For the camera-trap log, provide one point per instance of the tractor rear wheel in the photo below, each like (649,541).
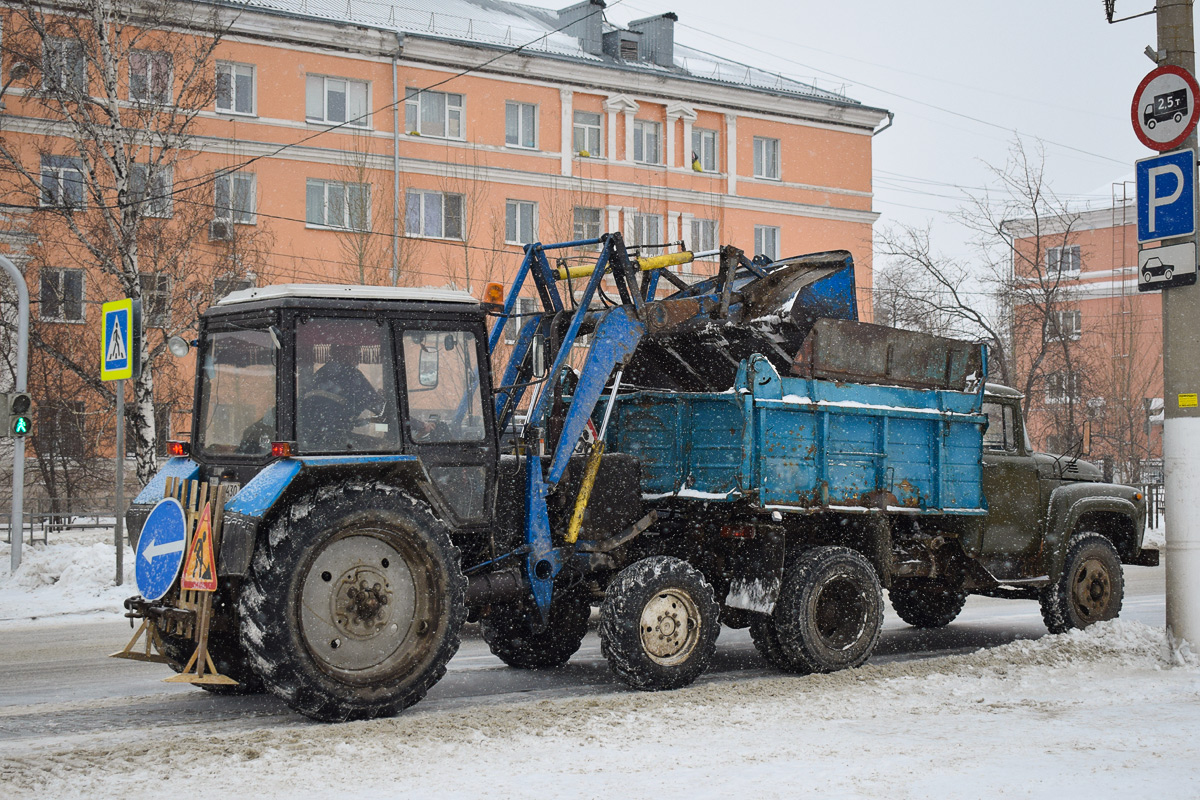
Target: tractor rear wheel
(354,603)
(659,623)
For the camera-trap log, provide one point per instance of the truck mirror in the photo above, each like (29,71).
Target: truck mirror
(427,363)
(539,356)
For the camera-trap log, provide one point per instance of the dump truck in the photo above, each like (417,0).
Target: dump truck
(740,451)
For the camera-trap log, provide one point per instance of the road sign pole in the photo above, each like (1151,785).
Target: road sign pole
(119,528)
(16,522)
(1181,378)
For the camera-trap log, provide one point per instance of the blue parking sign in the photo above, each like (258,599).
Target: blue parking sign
(1166,192)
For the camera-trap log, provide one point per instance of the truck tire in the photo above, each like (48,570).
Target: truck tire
(659,623)
(925,603)
(354,603)
(511,638)
(228,656)
(830,610)
(1090,589)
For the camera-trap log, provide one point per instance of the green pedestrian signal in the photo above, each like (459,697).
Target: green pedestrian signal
(20,426)
(17,406)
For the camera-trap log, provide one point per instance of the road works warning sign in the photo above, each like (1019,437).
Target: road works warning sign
(200,569)
(121,343)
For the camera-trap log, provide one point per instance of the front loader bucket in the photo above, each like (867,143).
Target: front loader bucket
(769,314)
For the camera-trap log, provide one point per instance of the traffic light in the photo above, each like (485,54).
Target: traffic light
(19,405)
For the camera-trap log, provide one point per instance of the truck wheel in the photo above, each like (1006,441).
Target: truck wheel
(1091,587)
(228,656)
(659,623)
(830,610)
(926,604)
(766,642)
(511,638)
(353,604)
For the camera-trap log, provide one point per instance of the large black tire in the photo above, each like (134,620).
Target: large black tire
(830,611)
(766,642)
(926,603)
(228,656)
(659,623)
(1090,589)
(354,603)
(509,632)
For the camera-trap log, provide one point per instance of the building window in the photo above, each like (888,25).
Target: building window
(587,134)
(644,229)
(433,113)
(234,198)
(1062,387)
(520,222)
(704,236)
(334,204)
(64,67)
(704,150)
(587,222)
(520,124)
(154,198)
(1064,325)
(434,214)
(766,158)
(235,88)
(62,182)
(766,241)
(61,429)
(156,299)
(1062,260)
(61,295)
(336,100)
(512,327)
(226,286)
(150,76)
(646,136)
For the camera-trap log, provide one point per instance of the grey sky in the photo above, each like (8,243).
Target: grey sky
(960,76)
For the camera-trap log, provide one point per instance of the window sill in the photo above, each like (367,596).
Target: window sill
(244,114)
(459,240)
(312,226)
(419,135)
(64,321)
(230,221)
(766,178)
(510,146)
(342,123)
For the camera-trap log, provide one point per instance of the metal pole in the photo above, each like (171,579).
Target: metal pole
(119,528)
(16,522)
(1181,375)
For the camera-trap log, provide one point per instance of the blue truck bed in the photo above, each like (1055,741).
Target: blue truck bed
(793,444)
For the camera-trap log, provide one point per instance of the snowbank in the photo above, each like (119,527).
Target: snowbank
(1108,712)
(71,575)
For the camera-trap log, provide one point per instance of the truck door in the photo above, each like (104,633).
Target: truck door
(1010,484)
(446,421)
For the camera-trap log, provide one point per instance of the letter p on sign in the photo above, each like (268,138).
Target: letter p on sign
(1166,191)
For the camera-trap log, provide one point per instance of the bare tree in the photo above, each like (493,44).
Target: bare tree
(366,243)
(112,90)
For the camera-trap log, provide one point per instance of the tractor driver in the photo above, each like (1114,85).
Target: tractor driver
(335,396)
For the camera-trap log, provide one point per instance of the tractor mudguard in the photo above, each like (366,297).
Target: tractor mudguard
(270,491)
(135,516)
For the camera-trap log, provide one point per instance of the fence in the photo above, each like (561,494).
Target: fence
(1155,499)
(46,515)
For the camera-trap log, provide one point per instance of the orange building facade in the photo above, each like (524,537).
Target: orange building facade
(386,145)
(1098,386)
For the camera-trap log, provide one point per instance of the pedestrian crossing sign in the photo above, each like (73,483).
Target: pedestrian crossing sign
(120,346)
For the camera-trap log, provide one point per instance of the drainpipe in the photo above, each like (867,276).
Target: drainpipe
(891,116)
(396,160)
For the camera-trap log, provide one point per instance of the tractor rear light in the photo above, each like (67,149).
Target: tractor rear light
(281,449)
(493,297)
(737,531)
(178,449)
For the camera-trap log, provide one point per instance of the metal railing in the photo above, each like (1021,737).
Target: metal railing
(1155,503)
(45,515)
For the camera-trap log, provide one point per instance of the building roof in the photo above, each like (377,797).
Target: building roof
(500,24)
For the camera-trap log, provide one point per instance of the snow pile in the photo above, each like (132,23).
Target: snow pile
(1084,714)
(1156,537)
(72,574)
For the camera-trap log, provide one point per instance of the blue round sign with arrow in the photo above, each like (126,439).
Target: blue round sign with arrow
(160,549)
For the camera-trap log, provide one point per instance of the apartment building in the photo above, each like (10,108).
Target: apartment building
(1089,341)
(423,143)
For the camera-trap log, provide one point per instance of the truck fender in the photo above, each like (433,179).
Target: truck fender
(274,488)
(1068,505)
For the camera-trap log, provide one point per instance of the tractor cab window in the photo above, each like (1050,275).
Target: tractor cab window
(237,393)
(442,377)
(345,394)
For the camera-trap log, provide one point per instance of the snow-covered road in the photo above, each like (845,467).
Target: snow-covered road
(1102,713)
